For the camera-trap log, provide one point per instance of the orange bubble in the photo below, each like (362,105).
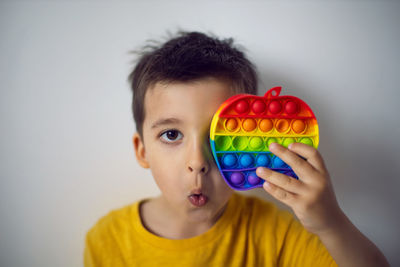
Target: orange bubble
(231,124)
(266,125)
(298,126)
(249,125)
(282,125)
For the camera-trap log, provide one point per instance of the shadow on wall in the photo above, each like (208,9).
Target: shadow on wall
(362,166)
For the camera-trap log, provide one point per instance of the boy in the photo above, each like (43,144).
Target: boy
(198,220)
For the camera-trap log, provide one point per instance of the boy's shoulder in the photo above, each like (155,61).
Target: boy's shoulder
(116,220)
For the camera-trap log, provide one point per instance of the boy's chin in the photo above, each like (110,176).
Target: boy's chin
(207,213)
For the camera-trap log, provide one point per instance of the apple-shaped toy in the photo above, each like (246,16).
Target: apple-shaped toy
(244,126)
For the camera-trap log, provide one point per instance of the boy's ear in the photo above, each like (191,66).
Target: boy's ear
(140,151)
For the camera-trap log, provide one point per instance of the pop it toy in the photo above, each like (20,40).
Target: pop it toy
(244,126)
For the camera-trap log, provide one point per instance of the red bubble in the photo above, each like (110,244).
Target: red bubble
(291,107)
(242,107)
(275,107)
(258,106)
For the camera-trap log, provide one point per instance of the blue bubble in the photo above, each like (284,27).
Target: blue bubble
(246,160)
(229,160)
(263,160)
(278,163)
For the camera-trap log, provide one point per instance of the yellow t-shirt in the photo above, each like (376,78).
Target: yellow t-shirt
(251,232)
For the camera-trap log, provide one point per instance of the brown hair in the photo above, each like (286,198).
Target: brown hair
(189,56)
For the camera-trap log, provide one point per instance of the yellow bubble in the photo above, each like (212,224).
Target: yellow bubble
(287,141)
(256,142)
(307,141)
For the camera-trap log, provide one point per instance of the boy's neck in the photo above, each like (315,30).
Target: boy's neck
(161,220)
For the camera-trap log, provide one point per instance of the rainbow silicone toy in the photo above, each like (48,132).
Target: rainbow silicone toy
(245,125)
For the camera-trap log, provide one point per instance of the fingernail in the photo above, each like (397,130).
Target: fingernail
(290,146)
(260,171)
(273,146)
(266,184)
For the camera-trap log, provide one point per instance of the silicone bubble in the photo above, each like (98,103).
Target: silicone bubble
(298,126)
(244,127)
(237,178)
(287,141)
(249,125)
(231,124)
(291,107)
(263,160)
(266,125)
(223,142)
(229,160)
(253,179)
(242,107)
(271,140)
(278,163)
(307,141)
(240,142)
(256,143)
(246,160)
(282,125)
(258,106)
(275,107)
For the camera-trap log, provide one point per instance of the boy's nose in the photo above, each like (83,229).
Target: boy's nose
(197,160)
(201,169)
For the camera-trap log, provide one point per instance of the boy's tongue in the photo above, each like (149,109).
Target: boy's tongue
(198,200)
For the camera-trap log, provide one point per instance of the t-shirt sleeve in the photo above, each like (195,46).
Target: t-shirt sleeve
(102,246)
(302,248)
(89,257)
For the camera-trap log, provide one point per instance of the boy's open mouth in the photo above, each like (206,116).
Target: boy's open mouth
(198,200)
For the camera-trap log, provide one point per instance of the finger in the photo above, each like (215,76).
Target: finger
(310,154)
(280,194)
(300,166)
(285,182)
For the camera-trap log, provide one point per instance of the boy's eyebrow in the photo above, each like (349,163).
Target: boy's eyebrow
(165,121)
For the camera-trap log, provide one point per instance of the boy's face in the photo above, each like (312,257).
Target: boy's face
(176,148)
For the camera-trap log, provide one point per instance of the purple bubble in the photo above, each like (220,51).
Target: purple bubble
(253,179)
(237,178)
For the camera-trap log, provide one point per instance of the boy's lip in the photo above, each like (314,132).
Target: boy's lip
(197,198)
(196,191)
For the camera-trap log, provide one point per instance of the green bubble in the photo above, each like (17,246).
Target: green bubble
(222,142)
(271,140)
(288,141)
(307,141)
(240,142)
(256,142)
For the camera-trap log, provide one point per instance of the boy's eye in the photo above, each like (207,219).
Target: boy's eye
(171,136)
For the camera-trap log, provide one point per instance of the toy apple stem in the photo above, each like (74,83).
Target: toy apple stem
(273,92)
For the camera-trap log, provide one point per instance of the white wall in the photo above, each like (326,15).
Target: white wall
(66,125)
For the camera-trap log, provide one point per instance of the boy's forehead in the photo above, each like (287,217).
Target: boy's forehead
(185,100)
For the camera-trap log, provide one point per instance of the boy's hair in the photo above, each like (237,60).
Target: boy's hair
(189,56)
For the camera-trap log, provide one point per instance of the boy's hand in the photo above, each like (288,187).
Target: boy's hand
(311,197)
(314,203)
